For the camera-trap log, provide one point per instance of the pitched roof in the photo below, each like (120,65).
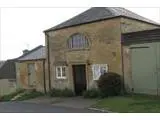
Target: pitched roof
(34,54)
(8,70)
(139,36)
(2,63)
(100,13)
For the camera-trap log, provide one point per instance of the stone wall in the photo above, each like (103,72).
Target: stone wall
(105,48)
(104,38)
(130,25)
(7,86)
(22,75)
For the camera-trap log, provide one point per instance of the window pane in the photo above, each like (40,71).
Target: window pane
(58,71)
(63,71)
(78,41)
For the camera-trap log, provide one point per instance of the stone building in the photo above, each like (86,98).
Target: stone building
(80,49)
(30,69)
(7,77)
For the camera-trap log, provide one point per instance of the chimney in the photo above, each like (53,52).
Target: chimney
(25,51)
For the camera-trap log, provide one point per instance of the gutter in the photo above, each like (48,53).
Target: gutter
(122,58)
(44,77)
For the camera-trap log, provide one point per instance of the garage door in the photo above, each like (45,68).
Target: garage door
(144,68)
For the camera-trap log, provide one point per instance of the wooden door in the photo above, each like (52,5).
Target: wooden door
(79,76)
(31,75)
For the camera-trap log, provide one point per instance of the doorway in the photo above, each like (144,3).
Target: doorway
(31,74)
(79,78)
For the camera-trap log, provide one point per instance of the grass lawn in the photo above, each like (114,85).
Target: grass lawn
(29,95)
(130,104)
(26,95)
(11,95)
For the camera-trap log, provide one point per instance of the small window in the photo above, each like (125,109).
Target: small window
(78,41)
(61,72)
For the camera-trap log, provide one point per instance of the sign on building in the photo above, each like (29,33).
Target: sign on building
(98,70)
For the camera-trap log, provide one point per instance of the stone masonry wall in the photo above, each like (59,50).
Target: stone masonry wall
(105,48)
(22,75)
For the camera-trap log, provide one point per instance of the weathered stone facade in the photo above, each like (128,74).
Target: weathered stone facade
(22,75)
(127,26)
(104,48)
(131,25)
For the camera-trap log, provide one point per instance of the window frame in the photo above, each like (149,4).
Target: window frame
(81,43)
(61,72)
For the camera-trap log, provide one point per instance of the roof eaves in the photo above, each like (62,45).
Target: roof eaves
(52,29)
(32,60)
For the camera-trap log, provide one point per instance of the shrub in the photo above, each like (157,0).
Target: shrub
(0,98)
(54,92)
(109,84)
(92,93)
(61,93)
(67,93)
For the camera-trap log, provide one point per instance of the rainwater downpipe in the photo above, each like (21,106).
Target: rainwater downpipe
(122,58)
(44,76)
(48,55)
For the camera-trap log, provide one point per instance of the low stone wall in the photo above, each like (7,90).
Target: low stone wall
(7,86)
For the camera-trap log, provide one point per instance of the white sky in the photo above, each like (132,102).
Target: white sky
(23,28)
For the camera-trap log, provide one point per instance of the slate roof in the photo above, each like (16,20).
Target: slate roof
(8,70)
(2,63)
(34,54)
(100,13)
(145,35)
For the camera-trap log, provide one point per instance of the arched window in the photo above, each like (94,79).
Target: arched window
(78,41)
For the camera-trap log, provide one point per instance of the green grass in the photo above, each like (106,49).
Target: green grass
(11,95)
(131,104)
(29,95)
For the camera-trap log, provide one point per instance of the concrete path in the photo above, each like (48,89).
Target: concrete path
(76,102)
(71,102)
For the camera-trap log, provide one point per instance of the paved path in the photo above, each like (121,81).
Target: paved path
(71,102)
(24,107)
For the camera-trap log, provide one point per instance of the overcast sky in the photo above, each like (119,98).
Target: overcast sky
(22,28)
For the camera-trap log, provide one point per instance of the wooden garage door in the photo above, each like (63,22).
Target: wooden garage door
(144,75)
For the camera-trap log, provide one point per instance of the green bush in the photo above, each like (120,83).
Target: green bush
(92,93)
(109,84)
(55,92)
(67,93)
(61,93)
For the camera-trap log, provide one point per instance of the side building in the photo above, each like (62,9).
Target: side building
(30,69)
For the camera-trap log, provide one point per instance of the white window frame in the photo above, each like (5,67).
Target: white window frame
(61,74)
